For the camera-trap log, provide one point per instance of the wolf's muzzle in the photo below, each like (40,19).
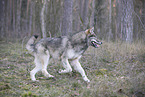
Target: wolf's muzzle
(96,43)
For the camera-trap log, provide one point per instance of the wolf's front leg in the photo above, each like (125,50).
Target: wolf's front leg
(77,66)
(66,65)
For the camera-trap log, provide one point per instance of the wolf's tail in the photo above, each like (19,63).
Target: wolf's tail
(30,44)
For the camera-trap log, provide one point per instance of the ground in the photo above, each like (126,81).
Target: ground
(116,69)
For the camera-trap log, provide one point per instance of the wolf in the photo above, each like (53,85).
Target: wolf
(68,49)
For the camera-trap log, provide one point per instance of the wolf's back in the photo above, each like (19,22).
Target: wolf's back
(30,43)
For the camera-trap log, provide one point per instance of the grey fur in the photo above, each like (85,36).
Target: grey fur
(64,48)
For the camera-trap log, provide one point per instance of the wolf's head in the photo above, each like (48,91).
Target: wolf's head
(92,38)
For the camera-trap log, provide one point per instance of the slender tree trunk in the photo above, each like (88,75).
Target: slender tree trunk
(67,17)
(2,18)
(110,21)
(33,18)
(43,26)
(18,26)
(10,17)
(7,18)
(92,14)
(30,17)
(143,12)
(143,18)
(27,17)
(85,14)
(14,21)
(76,15)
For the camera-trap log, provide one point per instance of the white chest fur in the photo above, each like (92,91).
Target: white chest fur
(71,54)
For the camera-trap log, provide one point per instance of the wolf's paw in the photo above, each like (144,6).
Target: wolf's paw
(61,71)
(64,71)
(35,80)
(49,76)
(86,79)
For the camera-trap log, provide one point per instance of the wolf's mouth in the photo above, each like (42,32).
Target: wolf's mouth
(96,44)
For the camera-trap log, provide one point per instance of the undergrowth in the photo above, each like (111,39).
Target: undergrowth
(115,69)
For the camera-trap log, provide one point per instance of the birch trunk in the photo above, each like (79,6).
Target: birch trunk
(43,19)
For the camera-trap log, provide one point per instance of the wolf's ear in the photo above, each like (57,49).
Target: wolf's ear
(90,31)
(87,31)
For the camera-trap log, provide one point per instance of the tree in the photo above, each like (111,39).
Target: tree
(84,14)
(67,17)
(92,13)
(110,21)
(125,13)
(18,23)
(143,12)
(2,18)
(43,26)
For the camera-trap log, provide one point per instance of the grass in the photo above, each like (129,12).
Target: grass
(115,69)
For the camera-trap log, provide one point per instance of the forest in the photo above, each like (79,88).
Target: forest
(113,19)
(116,68)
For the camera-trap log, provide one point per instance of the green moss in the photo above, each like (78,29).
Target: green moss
(28,94)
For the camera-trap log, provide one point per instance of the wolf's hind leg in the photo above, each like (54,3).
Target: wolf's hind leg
(77,66)
(36,69)
(45,61)
(66,65)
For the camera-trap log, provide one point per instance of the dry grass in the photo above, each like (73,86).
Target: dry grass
(115,70)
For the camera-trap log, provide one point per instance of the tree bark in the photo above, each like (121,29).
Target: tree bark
(43,26)
(3,5)
(18,26)
(110,21)
(30,17)
(143,19)
(85,14)
(67,17)
(14,20)
(126,19)
(92,14)
(143,12)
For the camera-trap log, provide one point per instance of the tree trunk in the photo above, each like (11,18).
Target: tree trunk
(126,22)
(143,19)
(67,17)
(33,18)
(143,12)
(30,17)
(14,21)
(92,13)
(43,26)
(2,6)
(110,21)
(18,26)
(85,14)
(7,19)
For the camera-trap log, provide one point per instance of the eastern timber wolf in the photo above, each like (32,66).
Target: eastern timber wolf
(68,49)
